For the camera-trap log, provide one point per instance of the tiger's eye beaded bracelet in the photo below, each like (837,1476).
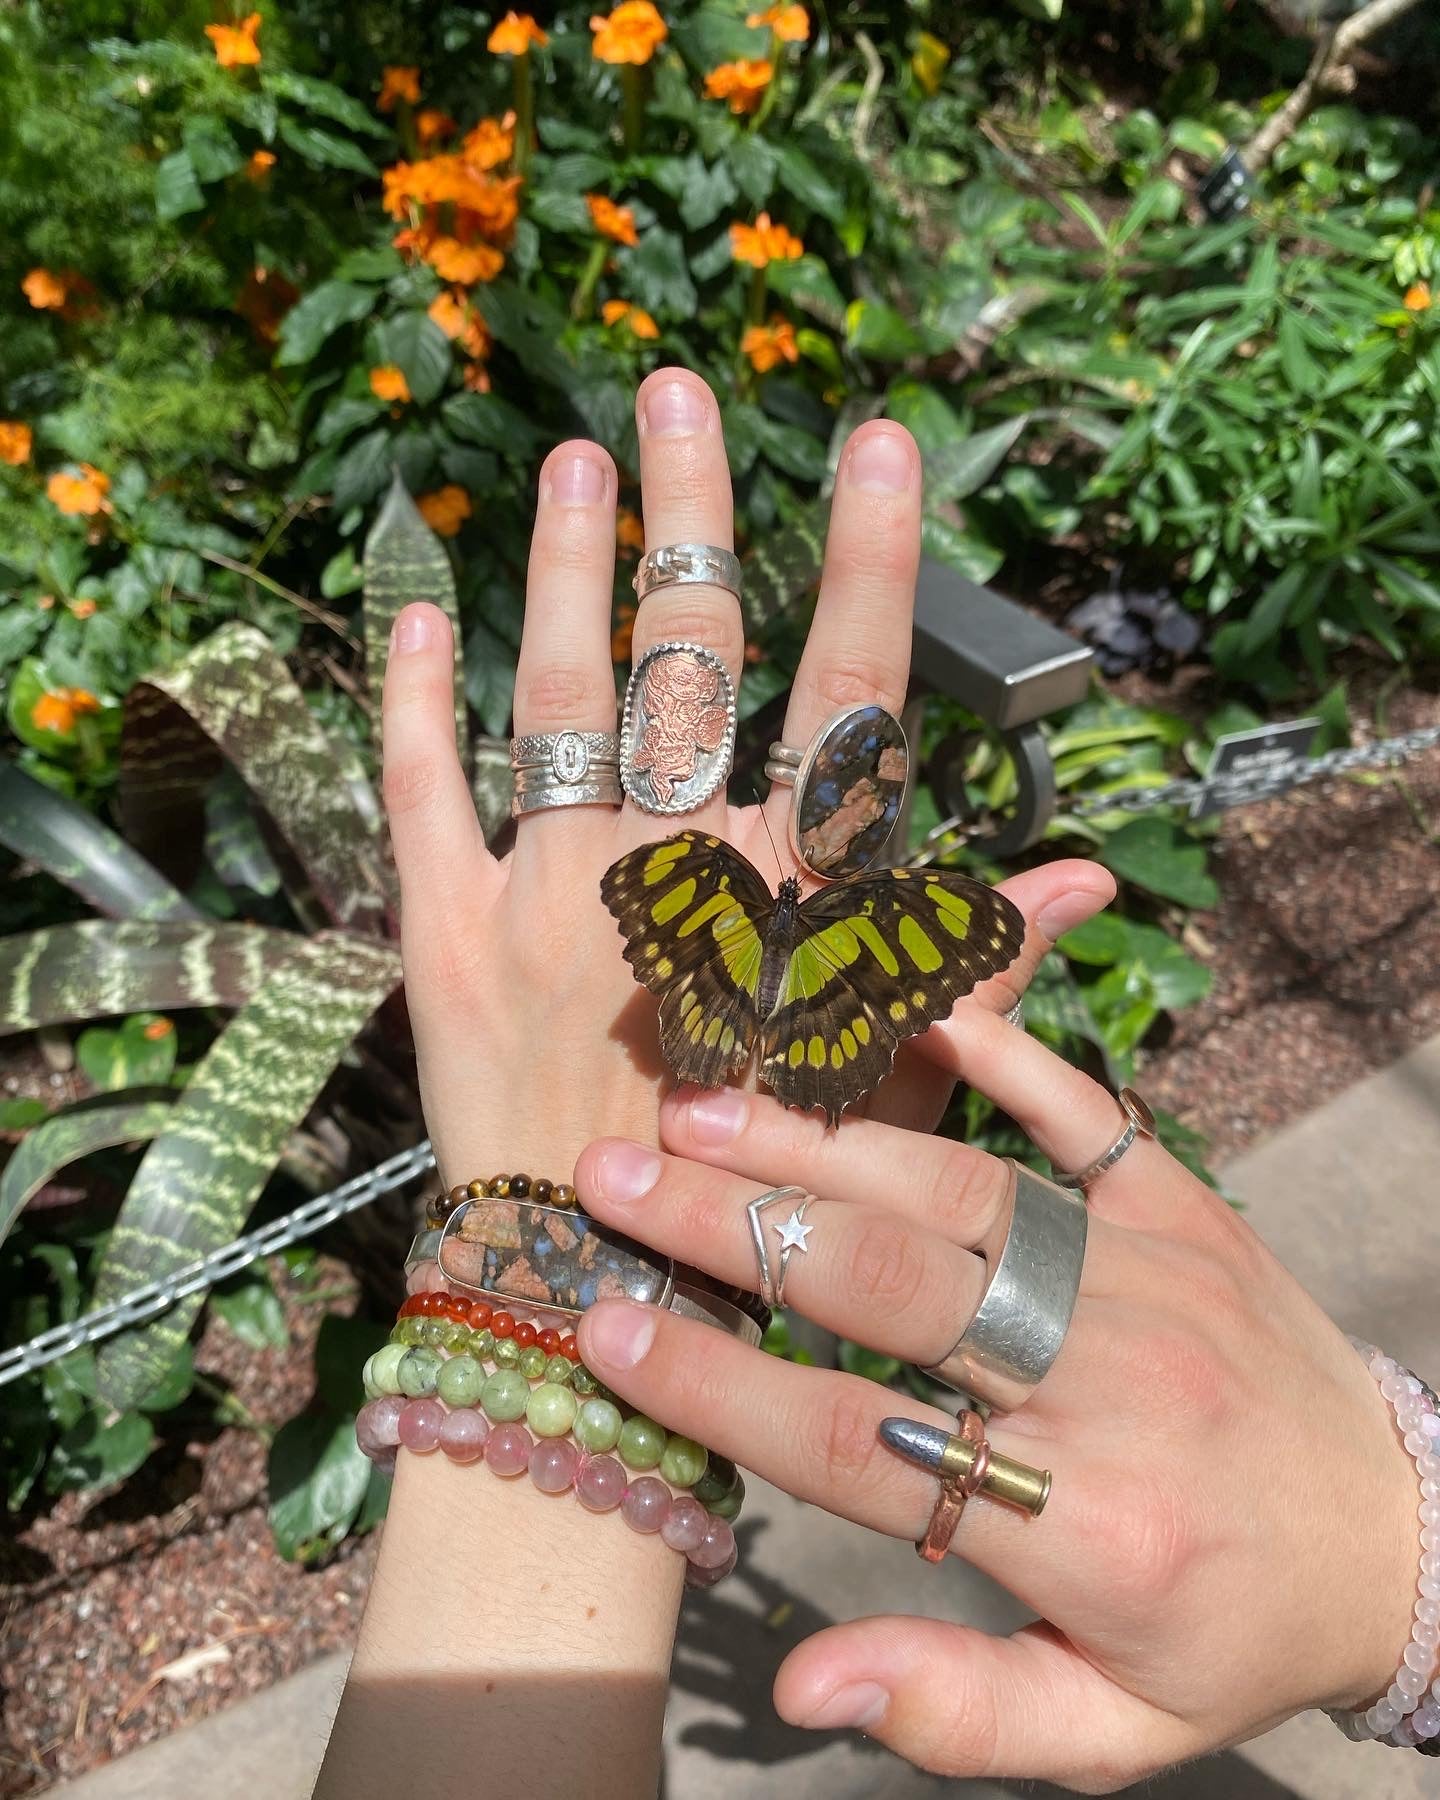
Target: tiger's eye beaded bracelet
(501,1187)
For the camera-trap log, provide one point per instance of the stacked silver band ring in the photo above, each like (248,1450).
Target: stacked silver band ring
(672,565)
(565,768)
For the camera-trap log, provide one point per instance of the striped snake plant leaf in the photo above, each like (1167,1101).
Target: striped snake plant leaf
(405,561)
(232,699)
(199,1180)
(102,967)
(782,570)
(50,829)
(56,1142)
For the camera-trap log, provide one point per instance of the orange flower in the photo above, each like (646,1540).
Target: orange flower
(157,1029)
(490,143)
(260,164)
(639,321)
(763,243)
(460,323)
(624,632)
(84,608)
(389,383)
(235,45)
(57,711)
(1417,297)
(629,530)
(44,289)
(463,263)
(612,221)
(15,442)
(476,378)
(769,345)
(446,510)
(514,35)
(432,124)
(791,24)
(397,84)
(80,495)
(743,84)
(631,34)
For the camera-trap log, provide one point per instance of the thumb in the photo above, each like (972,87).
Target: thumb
(961,1703)
(1055,898)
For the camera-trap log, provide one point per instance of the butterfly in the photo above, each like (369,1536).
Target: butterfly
(829,987)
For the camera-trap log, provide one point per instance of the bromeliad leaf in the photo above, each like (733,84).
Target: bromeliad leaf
(67,1137)
(99,968)
(199,1180)
(405,561)
(232,696)
(72,845)
(780,572)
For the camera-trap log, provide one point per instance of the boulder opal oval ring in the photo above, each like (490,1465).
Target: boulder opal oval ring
(849,784)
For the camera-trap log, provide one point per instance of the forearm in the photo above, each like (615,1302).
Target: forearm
(508,1634)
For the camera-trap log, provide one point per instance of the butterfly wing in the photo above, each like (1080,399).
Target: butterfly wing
(694,914)
(877,960)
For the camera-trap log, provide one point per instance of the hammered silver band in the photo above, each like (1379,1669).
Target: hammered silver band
(1139,1122)
(673,565)
(1034,1257)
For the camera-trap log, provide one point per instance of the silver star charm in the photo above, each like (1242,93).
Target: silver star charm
(793,1233)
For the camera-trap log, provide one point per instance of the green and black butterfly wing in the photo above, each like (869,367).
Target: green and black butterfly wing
(875,961)
(695,915)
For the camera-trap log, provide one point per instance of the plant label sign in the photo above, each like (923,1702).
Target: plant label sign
(1253,765)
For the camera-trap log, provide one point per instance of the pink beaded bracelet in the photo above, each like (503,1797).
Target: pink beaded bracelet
(1407,1715)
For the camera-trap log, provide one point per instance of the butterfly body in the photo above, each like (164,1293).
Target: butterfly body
(823,989)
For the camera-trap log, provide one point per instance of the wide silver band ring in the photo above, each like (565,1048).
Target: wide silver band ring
(1139,1122)
(601,788)
(1034,1258)
(673,565)
(568,754)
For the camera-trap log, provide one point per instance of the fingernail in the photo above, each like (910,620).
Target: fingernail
(675,409)
(576,481)
(617,1333)
(716,1115)
(411,630)
(624,1171)
(862,1704)
(882,462)
(1066,913)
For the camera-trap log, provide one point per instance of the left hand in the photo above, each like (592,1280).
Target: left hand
(1231,1534)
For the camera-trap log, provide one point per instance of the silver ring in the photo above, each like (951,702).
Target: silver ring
(672,565)
(793,1233)
(1139,1122)
(1016,1015)
(677,736)
(544,795)
(1034,1257)
(849,784)
(568,753)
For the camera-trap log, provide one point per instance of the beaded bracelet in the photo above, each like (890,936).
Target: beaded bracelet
(1407,1716)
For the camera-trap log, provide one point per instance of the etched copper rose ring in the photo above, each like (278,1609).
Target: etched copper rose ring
(677,737)
(849,784)
(564,768)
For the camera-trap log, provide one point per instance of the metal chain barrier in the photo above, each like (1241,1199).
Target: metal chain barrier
(157,1296)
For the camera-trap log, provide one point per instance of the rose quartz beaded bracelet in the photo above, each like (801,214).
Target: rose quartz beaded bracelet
(1407,1715)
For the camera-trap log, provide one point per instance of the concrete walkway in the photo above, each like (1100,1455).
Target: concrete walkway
(1347,1199)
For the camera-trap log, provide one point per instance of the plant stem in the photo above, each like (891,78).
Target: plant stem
(632,87)
(524,112)
(230,1409)
(582,302)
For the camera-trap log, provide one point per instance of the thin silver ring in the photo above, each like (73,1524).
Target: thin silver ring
(673,565)
(1016,1015)
(1139,1122)
(1034,1258)
(568,753)
(793,1234)
(548,796)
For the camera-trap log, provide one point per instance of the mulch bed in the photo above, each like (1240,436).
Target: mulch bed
(127,1614)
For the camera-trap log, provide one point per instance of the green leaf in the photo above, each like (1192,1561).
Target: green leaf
(66,1137)
(405,561)
(784,568)
(657,274)
(324,150)
(318,314)
(213,153)
(1157,855)
(363,470)
(341,575)
(318,1478)
(957,469)
(876,330)
(559,210)
(414,342)
(342,1349)
(235,846)
(254,1313)
(1112,942)
(92,1454)
(198,1181)
(322,97)
(873,1365)
(808,284)
(1270,611)
(793,449)
(100,967)
(177,190)
(961,550)
(493,423)
(42,825)
(173,1386)
(802,177)
(140,1053)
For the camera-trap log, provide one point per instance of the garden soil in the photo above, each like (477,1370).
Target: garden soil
(125,1615)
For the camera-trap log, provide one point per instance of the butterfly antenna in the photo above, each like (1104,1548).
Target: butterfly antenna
(760,805)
